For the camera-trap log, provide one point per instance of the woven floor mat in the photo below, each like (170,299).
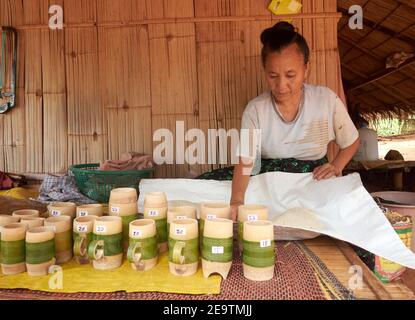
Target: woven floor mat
(299,275)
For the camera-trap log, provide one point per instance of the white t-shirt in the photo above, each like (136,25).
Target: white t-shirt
(322,118)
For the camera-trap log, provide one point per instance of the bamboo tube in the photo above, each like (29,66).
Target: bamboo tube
(143,251)
(6,219)
(90,210)
(258,239)
(183,247)
(32,222)
(40,250)
(82,236)
(155,207)
(250,212)
(57,209)
(13,248)
(123,195)
(217,247)
(25,213)
(63,237)
(106,250)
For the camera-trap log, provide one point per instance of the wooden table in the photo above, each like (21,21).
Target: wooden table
(339,257)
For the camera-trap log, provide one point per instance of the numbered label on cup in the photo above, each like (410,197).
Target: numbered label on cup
(181,217)
(179,231)
(100,229)
(217,250)
(55,213)
(265,243)
(153,213)
(83,213)
(210,216)
(137,233)
(252,217)
(81,229)
(115,210)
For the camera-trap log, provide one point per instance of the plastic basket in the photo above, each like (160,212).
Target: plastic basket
(97,184)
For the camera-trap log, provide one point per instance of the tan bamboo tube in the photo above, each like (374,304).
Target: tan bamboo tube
(260,233)
(25,213)
(249,212)
(143,251)
(13,248)
(40,250)
(155,207)
(123,195)
(63,237)
(7,219)
(32,222)
(106,250)
(183,247)
(217,247)
(95,209)
(56,209)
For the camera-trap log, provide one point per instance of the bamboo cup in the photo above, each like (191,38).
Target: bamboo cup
(143,251)
(217,247)
(13,255)
(82,236)
(40,250)
(155,207)
(213,210)
(183,247)
(95,209)
(57,209)
(123,195)
(106,248)
(7,219)
(25,213)
(32,222)
(180,212)
(249,212)
(62,226)
(259,250)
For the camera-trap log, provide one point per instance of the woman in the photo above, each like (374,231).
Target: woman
(297,120)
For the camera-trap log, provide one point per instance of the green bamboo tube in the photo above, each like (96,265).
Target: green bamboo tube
(62,226)
(13,248)
(106,249)
(82,236)
(183,247)
(143,251)
(259,250)
(217,247)
(40,250)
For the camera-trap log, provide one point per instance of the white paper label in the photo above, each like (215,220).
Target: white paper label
(153,213)
(115,209)
(180,231)
(81,228)
(83,213)
(101,229)
(265,243)
(252,217)
(217,250)
(210,216)
(137,233)
(181,217)
(55,213)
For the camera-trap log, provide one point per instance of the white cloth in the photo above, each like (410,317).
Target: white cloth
(343,207)
(321,119)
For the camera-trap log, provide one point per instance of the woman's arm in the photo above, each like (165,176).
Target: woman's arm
(241,175)
(336,167)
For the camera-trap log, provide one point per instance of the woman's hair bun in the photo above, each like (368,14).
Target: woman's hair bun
(284,26)
(276,30)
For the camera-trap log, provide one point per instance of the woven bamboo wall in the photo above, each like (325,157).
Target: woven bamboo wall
(121,69)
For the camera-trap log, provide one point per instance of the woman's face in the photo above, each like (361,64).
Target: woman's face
(285,73)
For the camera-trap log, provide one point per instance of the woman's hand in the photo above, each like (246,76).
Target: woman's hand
(326,171)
